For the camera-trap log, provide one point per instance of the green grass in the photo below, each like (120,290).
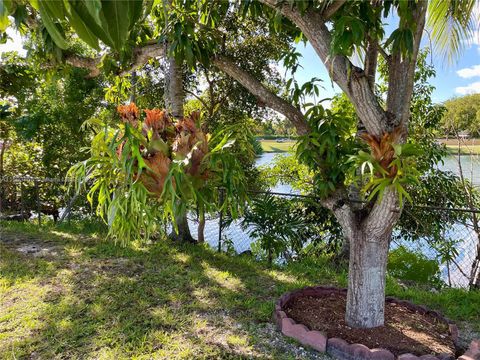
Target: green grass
(164,300)
(464,150)
(274,146)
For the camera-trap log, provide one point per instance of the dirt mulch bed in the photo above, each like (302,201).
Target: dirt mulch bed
(405,331)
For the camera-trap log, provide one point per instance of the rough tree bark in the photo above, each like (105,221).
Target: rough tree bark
(368,229)
(369,236)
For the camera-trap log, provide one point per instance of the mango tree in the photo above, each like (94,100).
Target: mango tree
(337,30)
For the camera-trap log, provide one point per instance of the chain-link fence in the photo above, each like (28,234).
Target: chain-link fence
(28,198)
(449,237)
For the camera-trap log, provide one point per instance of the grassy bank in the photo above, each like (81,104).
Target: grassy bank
(274,146)
(78,296)
(464,149)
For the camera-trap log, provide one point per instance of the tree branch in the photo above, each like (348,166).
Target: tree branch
(196,97)
(140,56)
(272,100)
(371,61)
(331,9)
(85,63)
(384,54)
(384,213)
(402,71)
(350,79)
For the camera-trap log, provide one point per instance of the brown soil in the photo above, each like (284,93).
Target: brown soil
(405,331)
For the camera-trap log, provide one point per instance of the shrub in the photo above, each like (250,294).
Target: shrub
(289,228)
(409,265)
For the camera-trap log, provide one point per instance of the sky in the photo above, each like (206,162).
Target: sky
(13,44)
(459,78)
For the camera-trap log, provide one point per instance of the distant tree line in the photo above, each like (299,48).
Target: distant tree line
(462,116)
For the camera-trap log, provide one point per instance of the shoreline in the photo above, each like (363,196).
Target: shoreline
(272,146)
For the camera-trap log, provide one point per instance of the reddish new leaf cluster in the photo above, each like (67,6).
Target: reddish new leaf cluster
(128,113)
(382,149)
(167,139)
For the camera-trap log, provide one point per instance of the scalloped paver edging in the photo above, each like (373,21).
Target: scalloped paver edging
(339,348)
(473,352)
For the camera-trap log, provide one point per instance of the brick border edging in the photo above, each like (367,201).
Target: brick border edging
(339,347)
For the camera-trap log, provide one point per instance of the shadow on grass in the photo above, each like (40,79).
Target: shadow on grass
(165,300)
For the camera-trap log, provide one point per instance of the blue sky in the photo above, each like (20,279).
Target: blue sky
(459,78)
(456,79)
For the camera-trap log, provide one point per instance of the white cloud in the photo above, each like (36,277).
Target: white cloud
(475,39)
(470,72)
(473,88)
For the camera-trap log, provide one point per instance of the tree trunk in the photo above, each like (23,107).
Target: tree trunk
(175,89)
(2,152)
(201,226)
(176,97)
(368,231)
(183,234)
(366,279)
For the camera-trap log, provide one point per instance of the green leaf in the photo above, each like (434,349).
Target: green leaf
(5,9)
(51,27)
(135,10)
(117,21)
(397,148)
(97,28)
(82,30)
(159,145)
(94,7)
(56,8)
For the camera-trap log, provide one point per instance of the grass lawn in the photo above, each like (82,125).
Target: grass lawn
(274,146)
(83,298)
(465,149)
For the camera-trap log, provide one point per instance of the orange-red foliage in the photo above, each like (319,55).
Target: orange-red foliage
(382,149)
(157,121)
(184,139)
(128,113)
(154,177)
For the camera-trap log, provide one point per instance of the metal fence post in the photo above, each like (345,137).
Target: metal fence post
(37,191)
(220,219)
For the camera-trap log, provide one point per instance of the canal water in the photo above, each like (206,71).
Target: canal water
(240,240)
